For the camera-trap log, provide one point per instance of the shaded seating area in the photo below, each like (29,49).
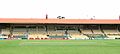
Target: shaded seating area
(97,31)
(96,36)
(57,37)
(21,37)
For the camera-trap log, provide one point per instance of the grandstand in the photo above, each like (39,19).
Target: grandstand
(63,29)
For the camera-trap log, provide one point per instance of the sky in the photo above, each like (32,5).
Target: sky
(70,9)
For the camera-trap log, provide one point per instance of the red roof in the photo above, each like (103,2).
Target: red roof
(60,21)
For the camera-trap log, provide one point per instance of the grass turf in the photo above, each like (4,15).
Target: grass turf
(59,46)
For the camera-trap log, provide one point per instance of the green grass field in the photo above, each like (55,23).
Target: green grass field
(59,46)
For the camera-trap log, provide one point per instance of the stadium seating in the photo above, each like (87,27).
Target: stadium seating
(21,37)
(19,31)
(113,37)
(96,36)
(41,28)
(79,36)
(50,28)
(76,35)
(97,32)
(99,36)
(38,32)
(111,32)
(58,36)
(5,31)
(86,31)
(33,33)
(59,33)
